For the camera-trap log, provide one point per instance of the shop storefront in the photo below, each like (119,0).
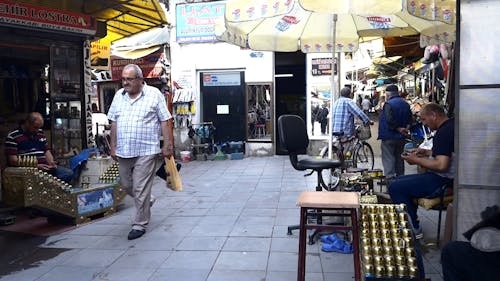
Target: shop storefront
(42,70)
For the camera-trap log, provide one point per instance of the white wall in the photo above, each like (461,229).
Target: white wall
(189,59)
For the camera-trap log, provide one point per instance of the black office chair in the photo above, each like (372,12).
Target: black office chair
(293,138)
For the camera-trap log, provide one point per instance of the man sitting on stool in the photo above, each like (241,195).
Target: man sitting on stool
(440,167)
(29,140)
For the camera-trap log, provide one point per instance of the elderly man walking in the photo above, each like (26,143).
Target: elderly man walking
(138,114)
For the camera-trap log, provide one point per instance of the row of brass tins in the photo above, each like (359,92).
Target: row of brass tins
(387,244)
(27,161)
(111,174)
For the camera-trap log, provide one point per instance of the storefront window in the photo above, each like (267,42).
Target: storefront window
(259,101)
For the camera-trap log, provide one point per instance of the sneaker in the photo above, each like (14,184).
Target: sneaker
(418,232)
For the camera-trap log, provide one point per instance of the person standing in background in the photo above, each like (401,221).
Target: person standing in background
(323,117)
(366,105)
(138,114)
(392,131)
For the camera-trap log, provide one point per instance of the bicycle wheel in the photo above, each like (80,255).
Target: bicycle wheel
(363,156)
(331,177)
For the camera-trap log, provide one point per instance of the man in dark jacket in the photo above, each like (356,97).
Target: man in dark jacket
(392,130)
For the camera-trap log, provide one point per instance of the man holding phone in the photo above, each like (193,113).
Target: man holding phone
(439,162)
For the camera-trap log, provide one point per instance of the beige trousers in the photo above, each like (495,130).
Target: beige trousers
(136,178)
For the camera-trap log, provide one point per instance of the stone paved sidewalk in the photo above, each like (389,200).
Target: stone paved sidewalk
(228,224)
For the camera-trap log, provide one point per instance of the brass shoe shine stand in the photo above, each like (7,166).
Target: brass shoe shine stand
(28,186)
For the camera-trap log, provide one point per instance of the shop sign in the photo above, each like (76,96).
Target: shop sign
(152,65)
(15,13)
(322,66)
(100,53)
(221,79)
(196,22)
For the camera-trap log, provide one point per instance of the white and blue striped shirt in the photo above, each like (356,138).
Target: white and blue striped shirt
(138,121)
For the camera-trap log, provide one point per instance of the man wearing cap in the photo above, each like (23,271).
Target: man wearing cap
(392,131)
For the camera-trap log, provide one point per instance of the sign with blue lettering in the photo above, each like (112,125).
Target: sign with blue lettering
(196,22)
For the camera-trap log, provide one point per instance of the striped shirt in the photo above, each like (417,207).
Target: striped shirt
(344,111)
(22,143)
(138,121)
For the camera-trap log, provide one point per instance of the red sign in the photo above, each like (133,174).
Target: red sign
(151,65)
(15,13)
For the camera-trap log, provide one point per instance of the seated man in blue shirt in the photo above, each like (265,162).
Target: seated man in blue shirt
(344,111)
(29,140)
(439,163)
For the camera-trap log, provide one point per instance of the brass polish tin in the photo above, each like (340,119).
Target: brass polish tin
(365,232)
(382,217)
(379,271)
(381,209)
(390,271)
(401,217)
(389,261)
(365,241)
(412,271)
(398,242)
(377,250)
(400,260)
(402,271)
(374,224)
(399,251)
(387,242)
(385,233)
(388,250)
(385,224)
(373,217)
(396,233)
(367,259)
(375,233)
(369,270)
(367,250)
(406,233)
(392,216)
(365,225)
(410,252)
(404,224)
(376,242)
(408,242)
(394,223)
(411,261)
(378,260)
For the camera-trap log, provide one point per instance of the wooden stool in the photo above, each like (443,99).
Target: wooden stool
(317,202)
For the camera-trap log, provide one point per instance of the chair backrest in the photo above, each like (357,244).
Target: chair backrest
(293,134)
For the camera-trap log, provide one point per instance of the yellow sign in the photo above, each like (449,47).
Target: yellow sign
(100,53)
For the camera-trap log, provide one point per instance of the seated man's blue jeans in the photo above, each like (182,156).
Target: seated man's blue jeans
(406,188)
(62,173)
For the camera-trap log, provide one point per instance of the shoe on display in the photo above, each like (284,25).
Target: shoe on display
(135,233)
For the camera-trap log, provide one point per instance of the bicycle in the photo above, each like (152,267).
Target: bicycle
(353,152)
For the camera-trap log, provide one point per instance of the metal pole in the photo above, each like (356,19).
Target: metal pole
(333,88)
